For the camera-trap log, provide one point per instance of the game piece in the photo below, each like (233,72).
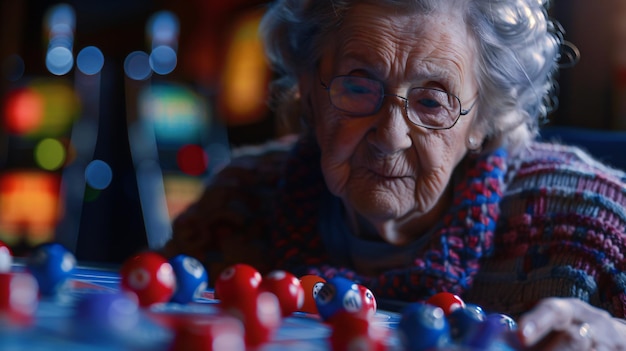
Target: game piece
(105,316)
(485,334)
(191,278)
(462,320)
(369,301)
(338,294)
(447,301)
(213,333)
(6,257)
(422,327)
(150,276)
(19,298)
(237,285)
(287,289)
(311,284)
(507,321)
(51,264)
(261,320)
(355,332)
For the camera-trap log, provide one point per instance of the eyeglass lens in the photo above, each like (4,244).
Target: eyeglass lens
(360,96)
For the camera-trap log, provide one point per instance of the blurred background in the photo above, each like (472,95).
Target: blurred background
(114,113)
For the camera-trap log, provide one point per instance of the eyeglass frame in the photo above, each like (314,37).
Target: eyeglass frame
(462,112)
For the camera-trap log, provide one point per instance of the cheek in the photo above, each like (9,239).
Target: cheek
(439,152)
(339,140)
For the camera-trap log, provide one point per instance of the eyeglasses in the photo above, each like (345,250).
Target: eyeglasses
(430,108)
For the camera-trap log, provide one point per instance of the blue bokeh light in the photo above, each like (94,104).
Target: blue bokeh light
(137,65)
(163,59)
(163,29)
(98,174)
(59,60)
(90,60)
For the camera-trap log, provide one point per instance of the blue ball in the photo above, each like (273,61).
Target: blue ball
(105,315)
(507,322)
(338,294)
(486,334)
(191,278)
(463,320)
(52,265)
(423,327)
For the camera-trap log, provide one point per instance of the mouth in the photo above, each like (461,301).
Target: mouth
(388,176)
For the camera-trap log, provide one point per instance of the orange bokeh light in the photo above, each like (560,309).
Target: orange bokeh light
(29,206)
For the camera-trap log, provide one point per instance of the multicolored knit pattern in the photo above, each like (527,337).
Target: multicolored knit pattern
(562,232)
(448,263)
(550,222)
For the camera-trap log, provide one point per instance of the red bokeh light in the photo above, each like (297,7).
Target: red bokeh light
(24,111)
(192,159)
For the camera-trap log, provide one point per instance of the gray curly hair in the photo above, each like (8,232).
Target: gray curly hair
(519,48)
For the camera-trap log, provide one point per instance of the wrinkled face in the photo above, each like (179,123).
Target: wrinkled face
(385,168)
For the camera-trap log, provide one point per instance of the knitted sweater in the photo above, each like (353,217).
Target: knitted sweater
(548,222)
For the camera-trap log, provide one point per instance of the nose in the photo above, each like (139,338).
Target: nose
(391,132)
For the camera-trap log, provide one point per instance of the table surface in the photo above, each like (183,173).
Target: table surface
(54,327)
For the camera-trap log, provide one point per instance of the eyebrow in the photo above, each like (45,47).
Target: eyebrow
(425,73)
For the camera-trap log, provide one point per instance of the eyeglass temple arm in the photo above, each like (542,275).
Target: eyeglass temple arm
(466,111)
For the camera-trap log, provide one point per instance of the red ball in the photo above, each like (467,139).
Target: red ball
(287,289)
(369,302)
(311,284)
(355,332)
(261,320)
(448,302)
(150,276)
(237,285)
(6,257)
(19,298)
(219,332)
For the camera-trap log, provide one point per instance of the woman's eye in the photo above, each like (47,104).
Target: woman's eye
(430,103)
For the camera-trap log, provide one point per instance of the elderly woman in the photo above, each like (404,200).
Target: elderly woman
(417,170)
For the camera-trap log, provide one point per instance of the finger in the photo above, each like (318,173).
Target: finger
(572,338)
(549,315)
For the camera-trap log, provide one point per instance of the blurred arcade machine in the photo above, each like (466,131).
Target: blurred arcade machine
(185,103)
(178,132)
(48,135)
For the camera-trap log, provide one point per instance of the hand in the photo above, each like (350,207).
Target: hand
(569,324)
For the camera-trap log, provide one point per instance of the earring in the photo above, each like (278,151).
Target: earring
(473,145)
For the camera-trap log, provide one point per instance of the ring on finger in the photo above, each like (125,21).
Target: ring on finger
(585,331)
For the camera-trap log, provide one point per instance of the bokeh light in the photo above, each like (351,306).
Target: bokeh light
(59,60)
(60,24)
(90,60)
(29,205)
(50,154)
(163,59)
(137,65)
(192,159)
(243,91)
(60,20)
(163,29)
(176,113)
(98,174)
(23,111)
(43,108)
